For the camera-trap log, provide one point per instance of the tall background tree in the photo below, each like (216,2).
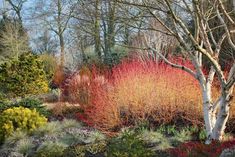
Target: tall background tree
(55,16)
(13,35)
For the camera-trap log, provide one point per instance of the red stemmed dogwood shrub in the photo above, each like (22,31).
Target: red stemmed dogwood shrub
(156,92)
(101,112)
(75,87)
(137,91)
(58,76)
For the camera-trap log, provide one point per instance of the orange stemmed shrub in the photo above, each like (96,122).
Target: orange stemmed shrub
(156,92)
(75,89)
(135,91)
(102,112)
(58,76)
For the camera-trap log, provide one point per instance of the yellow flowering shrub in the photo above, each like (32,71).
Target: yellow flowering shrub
(19,119)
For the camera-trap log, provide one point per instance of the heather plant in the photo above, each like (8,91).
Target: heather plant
(57,128)
(23,77)
(14,138)
(50,149)
(196,149)
(128,144)
(182,134)
(156,140)
(168,130)
(51,128)
(181,137)
(19,119)
(69,123)
(69,132)
(229,152)
(58,138)
(93,149)
(12,144)
(95,136)
(202,135)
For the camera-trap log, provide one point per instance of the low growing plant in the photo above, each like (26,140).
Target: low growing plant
(51,149)
(63,111)
(94,149)
(181,136)
(19,119)
(32,103)
(14,138)
(156,140)
(128,144)
(25,146)
(198,149)
(60,138)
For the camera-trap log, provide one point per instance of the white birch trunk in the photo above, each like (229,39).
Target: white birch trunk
(207,112)
(222,118)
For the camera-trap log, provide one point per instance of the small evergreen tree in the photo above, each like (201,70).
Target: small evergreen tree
(23,77)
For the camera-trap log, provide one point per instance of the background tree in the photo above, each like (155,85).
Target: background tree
(12,42)
(56,15)
(17,7)
(45,43)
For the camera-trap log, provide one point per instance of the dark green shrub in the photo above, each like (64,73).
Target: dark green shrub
(129,144)
(115,57)
(30,103)
(22,77)
(3,97)
(3,106)
(33,104)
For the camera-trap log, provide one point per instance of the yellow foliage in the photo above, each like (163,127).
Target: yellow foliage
(19,119)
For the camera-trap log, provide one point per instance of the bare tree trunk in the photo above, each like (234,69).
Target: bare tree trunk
(111,24)
(60,33)
(207,111)
(62,53)
(222,116)
(97,29)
